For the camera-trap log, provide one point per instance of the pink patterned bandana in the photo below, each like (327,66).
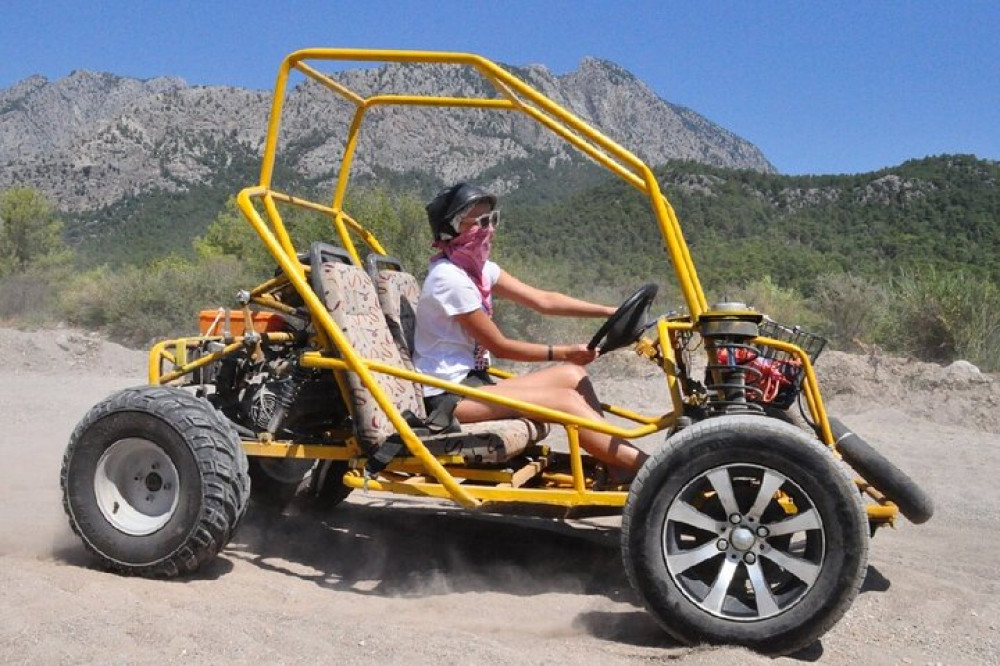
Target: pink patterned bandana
(469,251)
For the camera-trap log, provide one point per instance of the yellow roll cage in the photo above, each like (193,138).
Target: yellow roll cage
(448,477)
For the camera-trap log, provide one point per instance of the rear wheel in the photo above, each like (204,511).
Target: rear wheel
(742,530)
(276,481)
(326,486)
(154,481)
(315,483)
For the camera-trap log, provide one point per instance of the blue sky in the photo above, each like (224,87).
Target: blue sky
(819,87)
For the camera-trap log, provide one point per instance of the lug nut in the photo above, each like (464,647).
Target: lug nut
(749,558)
(735,519)
(722,544)
(762,532)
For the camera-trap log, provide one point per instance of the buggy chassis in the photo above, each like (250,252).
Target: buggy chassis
(720,417)
(516,96)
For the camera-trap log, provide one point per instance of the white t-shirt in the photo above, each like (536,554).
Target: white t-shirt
(440,345)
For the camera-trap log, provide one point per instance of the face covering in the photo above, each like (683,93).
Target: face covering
(469,251)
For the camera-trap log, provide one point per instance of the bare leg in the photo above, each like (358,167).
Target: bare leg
(566,388)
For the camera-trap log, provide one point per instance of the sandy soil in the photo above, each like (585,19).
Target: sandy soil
(427,583)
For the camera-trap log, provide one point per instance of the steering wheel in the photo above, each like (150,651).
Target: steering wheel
(627,323)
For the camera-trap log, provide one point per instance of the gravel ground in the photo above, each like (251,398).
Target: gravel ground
(426,583)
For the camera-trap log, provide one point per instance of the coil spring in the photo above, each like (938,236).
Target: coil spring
(734,391)
(287,395)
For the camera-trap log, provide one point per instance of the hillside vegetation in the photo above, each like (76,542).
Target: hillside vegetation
(938,212)
(906,258)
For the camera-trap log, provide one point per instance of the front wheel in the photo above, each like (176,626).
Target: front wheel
(742,530)
(154,481)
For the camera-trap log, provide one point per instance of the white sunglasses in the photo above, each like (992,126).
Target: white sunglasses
(491,218)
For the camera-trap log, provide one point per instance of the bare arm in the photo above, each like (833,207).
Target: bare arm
(546,302)
(481,328)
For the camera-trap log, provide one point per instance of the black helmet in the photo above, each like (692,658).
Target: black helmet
(450,202)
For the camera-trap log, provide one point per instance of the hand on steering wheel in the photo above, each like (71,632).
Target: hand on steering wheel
(579,354)
(627,323)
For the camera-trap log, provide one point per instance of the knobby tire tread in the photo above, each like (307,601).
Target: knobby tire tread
(225,481)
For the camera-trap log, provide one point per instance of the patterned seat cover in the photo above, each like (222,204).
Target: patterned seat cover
(358,308)
(487,442)
(351,299)
(398,293)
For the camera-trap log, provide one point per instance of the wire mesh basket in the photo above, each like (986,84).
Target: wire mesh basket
(811,344)
(789,366)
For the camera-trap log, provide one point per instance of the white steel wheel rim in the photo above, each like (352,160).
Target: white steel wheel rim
(743,542)
(136,486)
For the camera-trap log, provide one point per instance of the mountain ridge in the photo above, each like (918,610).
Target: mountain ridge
(91,139)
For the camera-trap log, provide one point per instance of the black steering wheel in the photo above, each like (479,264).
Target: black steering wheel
(627,323)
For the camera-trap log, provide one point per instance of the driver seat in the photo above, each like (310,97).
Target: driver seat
(363,314)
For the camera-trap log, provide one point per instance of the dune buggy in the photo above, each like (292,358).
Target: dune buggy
(742,528)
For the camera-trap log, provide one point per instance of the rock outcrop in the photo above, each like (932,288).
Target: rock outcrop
(90,139)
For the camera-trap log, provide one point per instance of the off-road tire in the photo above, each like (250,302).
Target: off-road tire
(876,469)
(796,610)
(791,415)
(319,489)
(271,485)
(326,487)
(181,443)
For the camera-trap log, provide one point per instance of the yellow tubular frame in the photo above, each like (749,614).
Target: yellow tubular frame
(515,95)
(512,95)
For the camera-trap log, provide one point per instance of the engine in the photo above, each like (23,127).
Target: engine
(276,395)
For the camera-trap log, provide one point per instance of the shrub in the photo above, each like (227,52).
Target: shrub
(919,322)
(84,299)
(943,316)
(783,304)
(27,296)
(853,309)
(137,305)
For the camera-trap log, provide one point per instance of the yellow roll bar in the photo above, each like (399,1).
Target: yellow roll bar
(514,96)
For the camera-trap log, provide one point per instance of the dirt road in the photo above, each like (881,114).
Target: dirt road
(425,583)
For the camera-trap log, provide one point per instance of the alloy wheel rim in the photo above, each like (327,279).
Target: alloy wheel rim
(743,542)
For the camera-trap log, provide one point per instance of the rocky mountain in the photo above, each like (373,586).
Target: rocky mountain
(90,139)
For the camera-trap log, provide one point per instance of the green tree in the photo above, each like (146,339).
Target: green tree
(230,235)
(396,220)
(30,230)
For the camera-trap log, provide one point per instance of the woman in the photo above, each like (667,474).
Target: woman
(455,333)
